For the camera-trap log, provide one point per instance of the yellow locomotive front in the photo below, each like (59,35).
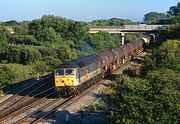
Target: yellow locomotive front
(66,77)
(66,80)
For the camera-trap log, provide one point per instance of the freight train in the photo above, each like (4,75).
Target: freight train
(75,76)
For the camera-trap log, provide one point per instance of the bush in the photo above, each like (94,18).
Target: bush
(40,67)
(137,101)
(51,62)
(22,39)
(7,75)
(19,54)
(13,73)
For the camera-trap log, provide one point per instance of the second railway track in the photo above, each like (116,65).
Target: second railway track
(16,96)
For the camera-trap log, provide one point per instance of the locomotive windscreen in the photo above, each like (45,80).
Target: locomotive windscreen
(60,72)
(69,72)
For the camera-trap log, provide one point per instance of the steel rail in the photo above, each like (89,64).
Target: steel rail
(14,96)
(22,120)
(20,103)
(25,108)
(66,102)
(27,95)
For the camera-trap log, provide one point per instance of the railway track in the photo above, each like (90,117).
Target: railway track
(37,109)
(66,102)
(25,100)
(25,97)
(20,108)
(46,109)
(21,94)
(32,117)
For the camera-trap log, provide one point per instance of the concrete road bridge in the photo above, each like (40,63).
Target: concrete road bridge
(126,29)
(142,28)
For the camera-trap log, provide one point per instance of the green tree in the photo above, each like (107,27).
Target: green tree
(35,28)
(101,22)
(50,35)
(64,53)
(174,10)
(3,37)
(101,41)
(168,55)
(51,62)
(7,75)
(11,23)
(22,39)
(119,22)
(40,68)
(22,28)
(154,17)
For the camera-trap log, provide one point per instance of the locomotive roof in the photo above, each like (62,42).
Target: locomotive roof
(80,62)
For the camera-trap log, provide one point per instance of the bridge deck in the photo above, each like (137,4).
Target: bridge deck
(126,28)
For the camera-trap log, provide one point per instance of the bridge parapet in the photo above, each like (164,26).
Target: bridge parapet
(128,28)
(152,27)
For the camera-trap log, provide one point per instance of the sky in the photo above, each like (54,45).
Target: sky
(82,10)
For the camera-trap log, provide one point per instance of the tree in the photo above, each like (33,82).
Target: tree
(101,22)
(3,37)
(154,17)
(65,53)
(22,28)
(40,68)
(11,23)
(35,28)
(49,34)
(7,75)
(174,10)
(22,39)
(101,41)
(119,22)
(111,22)
(168,55)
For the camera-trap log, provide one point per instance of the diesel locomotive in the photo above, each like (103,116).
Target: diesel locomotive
(74,76)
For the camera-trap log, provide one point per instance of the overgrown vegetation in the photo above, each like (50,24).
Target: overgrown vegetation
(43,44)
(12,73)
(152,97)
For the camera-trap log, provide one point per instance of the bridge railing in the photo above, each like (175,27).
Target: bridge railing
(141,26)
(154,27)
(109,27)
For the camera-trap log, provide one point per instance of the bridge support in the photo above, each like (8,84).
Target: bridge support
(153,37)
(122,38)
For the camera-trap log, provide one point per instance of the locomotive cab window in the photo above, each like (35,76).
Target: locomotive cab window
(69,72)
(60,72)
